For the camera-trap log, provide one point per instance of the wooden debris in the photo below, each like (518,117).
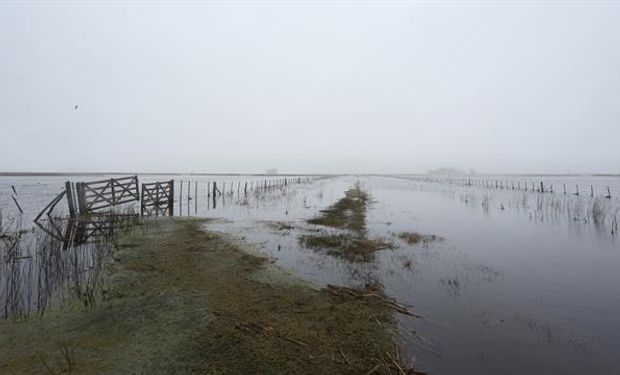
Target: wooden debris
(369,293)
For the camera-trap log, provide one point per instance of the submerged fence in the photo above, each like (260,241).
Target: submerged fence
(214,192)
(529,185)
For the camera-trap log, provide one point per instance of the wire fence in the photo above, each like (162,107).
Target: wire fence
(593,186)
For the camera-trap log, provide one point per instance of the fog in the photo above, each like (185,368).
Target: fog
(395,87)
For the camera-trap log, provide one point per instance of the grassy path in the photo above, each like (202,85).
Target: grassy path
(179,299)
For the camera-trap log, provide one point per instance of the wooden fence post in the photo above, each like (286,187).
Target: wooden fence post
(171,198)
(81,197)
(181,198)
(70,198)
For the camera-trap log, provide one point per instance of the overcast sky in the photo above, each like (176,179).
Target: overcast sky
(380,88)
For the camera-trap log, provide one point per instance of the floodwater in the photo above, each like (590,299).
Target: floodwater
(522,282)
(509,290)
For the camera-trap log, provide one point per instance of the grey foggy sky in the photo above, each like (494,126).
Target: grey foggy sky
(380,88)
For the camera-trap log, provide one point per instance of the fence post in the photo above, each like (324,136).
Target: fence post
(142,202)
(80,197)
(171,198)
(157,186)
(70,199)
(181,198)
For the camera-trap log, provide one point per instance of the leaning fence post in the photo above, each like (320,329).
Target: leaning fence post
(608,193)
(591,191)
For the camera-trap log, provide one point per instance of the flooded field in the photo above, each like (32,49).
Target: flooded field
(500,281)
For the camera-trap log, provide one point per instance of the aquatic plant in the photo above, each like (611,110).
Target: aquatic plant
(413,238)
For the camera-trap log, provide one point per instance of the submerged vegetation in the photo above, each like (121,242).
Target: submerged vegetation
(348,214)
(414,238)
(350,247)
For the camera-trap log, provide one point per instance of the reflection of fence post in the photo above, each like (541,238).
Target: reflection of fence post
(608,193)
(577,190)
(591,191)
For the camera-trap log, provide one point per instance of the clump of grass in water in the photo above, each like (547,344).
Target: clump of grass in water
(349,213)
(413,238)
(351,247)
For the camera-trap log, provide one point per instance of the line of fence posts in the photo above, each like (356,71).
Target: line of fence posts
(213,191)
(504,185)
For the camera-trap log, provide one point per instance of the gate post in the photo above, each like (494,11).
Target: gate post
(171,198)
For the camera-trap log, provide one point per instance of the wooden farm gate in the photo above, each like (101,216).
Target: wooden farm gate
(96,195)
(157,198)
